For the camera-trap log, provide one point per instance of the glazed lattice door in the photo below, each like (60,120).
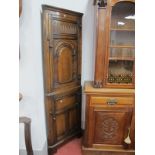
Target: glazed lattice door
(121,45)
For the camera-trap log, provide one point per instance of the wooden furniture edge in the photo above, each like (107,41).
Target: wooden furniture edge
(53,8)
(88,88)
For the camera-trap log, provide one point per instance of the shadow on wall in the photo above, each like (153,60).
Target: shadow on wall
(88,54)
(87,37)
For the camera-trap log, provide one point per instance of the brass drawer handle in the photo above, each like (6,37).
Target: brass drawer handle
(112,101)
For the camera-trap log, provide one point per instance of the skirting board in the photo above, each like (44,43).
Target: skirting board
(36,152)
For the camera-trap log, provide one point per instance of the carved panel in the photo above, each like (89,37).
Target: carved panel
(64,27)
(58,44)
(65,61)
(65,65)
(109,127)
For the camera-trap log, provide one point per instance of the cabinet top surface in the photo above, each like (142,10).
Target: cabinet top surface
(88,88)
(56,9)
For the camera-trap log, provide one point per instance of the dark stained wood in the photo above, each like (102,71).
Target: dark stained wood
(109,116)
(27,131)
(62,74)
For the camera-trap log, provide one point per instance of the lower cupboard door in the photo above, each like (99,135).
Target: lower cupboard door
(111,127)
(67,123)
(65,116)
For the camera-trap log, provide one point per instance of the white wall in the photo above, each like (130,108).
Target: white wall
(30,72)
(30,69)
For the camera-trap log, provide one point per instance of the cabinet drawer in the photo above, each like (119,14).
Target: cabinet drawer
(111,101)
(67,101)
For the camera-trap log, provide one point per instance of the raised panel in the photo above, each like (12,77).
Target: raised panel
(65,65)
(60,125)
(73,119)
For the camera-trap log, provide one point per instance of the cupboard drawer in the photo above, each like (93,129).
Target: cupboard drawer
(66,101)
(111,101)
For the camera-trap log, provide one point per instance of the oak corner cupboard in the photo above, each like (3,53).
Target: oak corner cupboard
(61,31)
(110,98)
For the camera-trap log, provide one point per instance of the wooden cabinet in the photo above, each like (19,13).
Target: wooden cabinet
(109,121)
(115,44)
(62,73)
(110,97)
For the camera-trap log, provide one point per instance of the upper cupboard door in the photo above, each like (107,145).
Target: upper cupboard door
(65,64)
(121,46)
(65,49)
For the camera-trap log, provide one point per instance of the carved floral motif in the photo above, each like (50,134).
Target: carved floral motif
(110,127)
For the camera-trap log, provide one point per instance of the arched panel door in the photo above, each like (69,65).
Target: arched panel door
(65,63)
